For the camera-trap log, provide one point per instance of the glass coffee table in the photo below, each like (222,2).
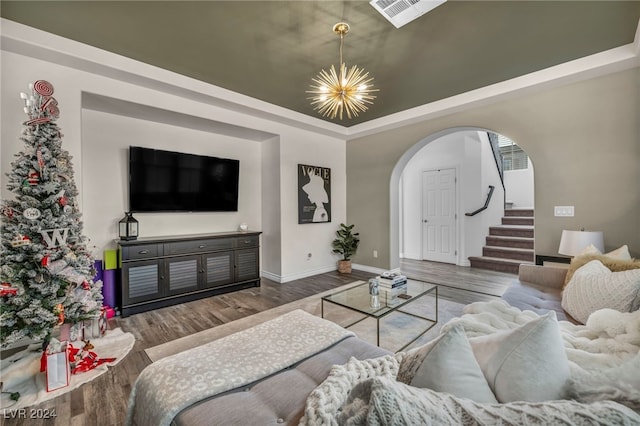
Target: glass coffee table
(358,299)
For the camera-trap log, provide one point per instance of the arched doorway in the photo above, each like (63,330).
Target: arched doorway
(466,154)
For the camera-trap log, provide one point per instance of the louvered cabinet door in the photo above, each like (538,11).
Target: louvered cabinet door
(247,265)
(141,281)
(217,269)
(182,274)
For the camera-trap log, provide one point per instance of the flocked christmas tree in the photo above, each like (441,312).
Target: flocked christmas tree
(47,271)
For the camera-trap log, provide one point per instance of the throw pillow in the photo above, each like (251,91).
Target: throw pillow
(451,367)
(528,363)
(595,287)
(616,260)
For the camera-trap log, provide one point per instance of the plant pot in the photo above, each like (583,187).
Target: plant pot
(344,266)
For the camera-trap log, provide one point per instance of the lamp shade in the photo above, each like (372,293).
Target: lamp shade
(573,242)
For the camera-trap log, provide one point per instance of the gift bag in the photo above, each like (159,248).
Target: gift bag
(97,327)
(57,367)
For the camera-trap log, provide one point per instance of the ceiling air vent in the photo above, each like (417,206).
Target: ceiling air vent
(401,12)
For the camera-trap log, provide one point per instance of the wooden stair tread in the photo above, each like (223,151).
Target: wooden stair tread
(511,249)
(499,260)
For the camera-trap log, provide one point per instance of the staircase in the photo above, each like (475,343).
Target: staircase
(508,245)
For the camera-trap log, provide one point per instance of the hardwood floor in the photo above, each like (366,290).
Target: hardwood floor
(103,401)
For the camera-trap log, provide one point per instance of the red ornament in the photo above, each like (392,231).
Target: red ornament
(85,285)
(7,211)
(7,290)
(45,261)
(63,201)
(33,177)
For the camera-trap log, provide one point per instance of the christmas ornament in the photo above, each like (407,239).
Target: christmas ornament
(40,160)
(20,240)
(85,285)
(59,311)
(33,177)
(63,201)
(39,278)
(7,290)
(7,211)
(55,237)
(51,107)
(31,213)
(45,261)
(67,209)
(37,121)
(43,87)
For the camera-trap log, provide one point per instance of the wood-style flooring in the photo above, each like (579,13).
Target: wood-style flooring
(103,401)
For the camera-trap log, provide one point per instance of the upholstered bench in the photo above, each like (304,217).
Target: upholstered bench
(538,289)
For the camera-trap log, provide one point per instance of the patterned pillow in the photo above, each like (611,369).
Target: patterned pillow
(616,260)
(594,287)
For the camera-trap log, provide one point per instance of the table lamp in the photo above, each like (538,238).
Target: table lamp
(574,242)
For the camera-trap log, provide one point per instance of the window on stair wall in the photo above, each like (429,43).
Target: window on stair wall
(518,173)
(513,157)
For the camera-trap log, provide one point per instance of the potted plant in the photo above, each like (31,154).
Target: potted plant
(346,245)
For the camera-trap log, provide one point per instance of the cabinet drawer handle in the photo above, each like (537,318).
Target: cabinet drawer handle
(202,246)
(247,241)
(143,252)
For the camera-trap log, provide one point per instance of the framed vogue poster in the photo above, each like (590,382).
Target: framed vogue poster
(314,194)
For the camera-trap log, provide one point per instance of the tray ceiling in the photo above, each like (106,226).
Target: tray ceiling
(270,50)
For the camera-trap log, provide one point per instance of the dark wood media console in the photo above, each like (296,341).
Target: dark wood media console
(164,271)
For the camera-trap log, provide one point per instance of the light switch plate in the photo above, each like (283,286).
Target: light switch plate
(565,211)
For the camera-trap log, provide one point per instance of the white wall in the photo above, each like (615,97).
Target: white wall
(99,138)
(105,142)
(470,154)
(519,186)
(311,238)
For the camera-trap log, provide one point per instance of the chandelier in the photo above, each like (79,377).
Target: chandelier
(349,90)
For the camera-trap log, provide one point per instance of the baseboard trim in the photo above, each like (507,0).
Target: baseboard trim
(285,279)
(372,269)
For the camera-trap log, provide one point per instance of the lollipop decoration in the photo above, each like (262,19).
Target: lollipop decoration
(43,87)
(40,106)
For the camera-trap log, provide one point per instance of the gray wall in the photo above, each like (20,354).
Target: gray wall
(583,140)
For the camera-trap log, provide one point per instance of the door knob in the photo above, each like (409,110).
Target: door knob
(425,221)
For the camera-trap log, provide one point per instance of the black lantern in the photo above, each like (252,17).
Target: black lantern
(128,227)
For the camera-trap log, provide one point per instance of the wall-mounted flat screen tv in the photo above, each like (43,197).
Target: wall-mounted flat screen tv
(166,181)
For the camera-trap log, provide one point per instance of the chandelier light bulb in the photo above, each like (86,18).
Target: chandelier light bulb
(348,91)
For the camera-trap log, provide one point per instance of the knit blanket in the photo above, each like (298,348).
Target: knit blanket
(384,401)
(604,356)
(173,383)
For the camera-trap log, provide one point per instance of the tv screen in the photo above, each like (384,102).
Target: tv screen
(165,181)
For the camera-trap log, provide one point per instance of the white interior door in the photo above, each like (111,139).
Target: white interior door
(439,215)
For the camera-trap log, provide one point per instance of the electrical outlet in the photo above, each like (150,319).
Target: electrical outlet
(565,211)
(309,255)
(375,254)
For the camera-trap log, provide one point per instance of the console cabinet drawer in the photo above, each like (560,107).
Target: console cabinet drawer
(248,241)
(198,246)
(143,251)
